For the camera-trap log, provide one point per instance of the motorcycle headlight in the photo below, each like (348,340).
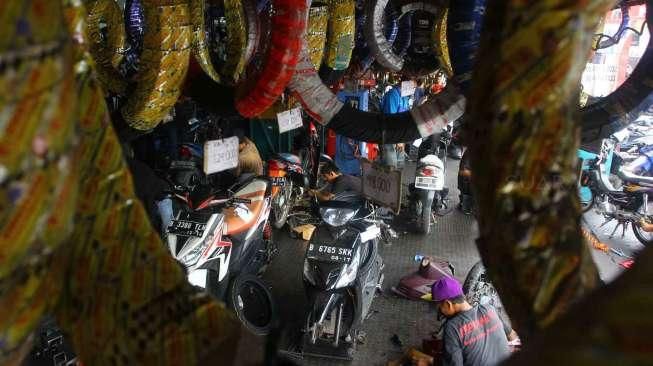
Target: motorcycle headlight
(190,257)
(337,216)
(348,275)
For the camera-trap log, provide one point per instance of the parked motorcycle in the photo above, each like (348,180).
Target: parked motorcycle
(428,194)
(288,182)
(225,243)
(342,271)
(628,205)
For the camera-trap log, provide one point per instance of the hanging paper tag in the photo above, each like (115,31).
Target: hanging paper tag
(408,88)
(290,120)
(220,155)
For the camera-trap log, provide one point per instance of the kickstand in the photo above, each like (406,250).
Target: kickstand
(614,230)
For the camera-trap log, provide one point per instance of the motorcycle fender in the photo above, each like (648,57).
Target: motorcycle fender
(198,277)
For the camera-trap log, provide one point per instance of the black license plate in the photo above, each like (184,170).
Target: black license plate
(187,228)
(329,253)
(279,181)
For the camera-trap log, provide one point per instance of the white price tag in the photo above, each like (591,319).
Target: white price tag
(408,88)
(290,120)
(381,185)
(220,155)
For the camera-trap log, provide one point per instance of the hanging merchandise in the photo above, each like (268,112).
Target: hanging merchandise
(318,19)
(253,29)
(441,45)
(163,63)
(611,113)
(200,43)
(364,57)
(106,35)
(287,32)
(424,120)
(465,20)
(340,43)
(236,40)
(375,38)
(134,29)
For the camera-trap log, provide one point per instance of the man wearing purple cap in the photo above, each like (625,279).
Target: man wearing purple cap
(472,335)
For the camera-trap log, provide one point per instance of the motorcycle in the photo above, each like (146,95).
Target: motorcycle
(628,205)
(428,194)
(342,271)
(288,181)
(224,244)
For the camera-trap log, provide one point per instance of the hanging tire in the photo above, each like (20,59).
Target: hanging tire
(251,300)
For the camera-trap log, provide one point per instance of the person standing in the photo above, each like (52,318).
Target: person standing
(393,102)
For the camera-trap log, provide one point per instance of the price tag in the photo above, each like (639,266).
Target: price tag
(381,185)
(290,120)
(408,88)
(220,155)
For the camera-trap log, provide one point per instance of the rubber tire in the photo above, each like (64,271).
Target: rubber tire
(474,275)
(232,298)
(278,220)
(425,226)
(636,230)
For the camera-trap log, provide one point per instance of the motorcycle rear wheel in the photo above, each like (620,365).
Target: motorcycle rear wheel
(251,300)
(644,237)
(425,220)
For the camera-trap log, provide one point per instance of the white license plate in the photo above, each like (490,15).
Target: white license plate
(428,183)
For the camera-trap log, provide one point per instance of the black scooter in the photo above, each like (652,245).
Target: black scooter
(342,271)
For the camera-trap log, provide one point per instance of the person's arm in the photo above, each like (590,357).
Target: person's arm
(452,354)
(322,195)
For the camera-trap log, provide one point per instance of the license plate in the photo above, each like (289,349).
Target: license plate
(187,228)
(329,253)
(279,181)
(429,183)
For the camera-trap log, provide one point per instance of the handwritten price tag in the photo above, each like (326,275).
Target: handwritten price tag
(220,155)
(408,88)
(381,185)
(290,120)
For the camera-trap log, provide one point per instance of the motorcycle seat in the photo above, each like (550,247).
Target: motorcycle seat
(289,158)
(243,216)
(430,159)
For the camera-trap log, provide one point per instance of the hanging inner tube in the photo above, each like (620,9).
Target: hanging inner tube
(323,106)
(616,110)
(286,37)
(316,32)
(340,40)
(163,63)
(464,24)
(200,43)
(106,36)
(422,56)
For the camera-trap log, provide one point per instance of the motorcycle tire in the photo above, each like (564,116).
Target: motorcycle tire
(280,214)
(478,274)
(423,216)
(258,321)
(644,237)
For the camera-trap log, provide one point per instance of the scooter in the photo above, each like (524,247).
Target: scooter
(427,193)
(342,271)
(224,244)
(628,205)
(288,182)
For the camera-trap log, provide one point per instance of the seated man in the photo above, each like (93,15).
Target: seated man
(472,335)
(337,182)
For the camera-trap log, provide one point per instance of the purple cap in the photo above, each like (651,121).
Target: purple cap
(446,288)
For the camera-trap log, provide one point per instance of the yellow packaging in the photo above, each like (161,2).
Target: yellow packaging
(316,34)
(236,40)
(106,54)
(200,45)
(441,45)
(60,220)
(342,29)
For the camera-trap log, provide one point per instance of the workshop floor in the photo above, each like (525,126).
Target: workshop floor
(452,238)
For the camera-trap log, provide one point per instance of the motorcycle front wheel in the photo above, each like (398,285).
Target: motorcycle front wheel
(643,236)
(281,206)
(251,300)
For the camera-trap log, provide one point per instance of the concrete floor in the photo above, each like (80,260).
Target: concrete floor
(452,238)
